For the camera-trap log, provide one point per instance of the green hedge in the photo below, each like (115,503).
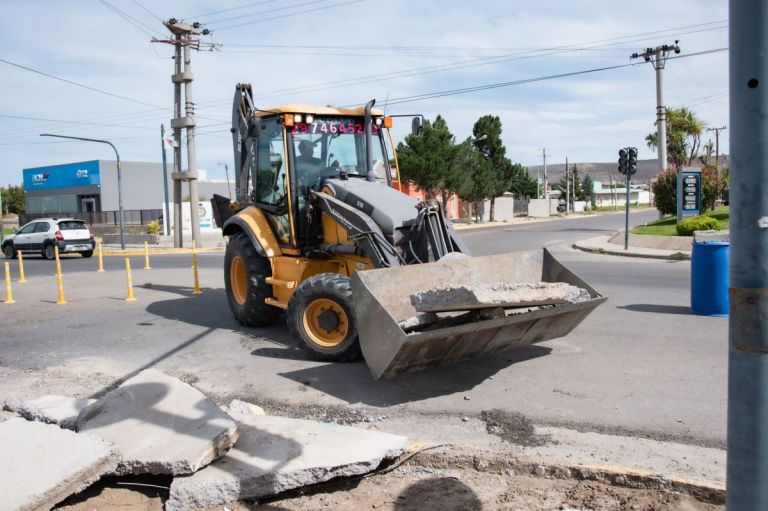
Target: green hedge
(697,223)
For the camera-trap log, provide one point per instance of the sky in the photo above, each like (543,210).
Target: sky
(88,68)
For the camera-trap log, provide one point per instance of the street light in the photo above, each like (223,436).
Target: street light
(119,181)
(226,171)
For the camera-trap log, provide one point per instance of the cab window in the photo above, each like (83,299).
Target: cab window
(271,177)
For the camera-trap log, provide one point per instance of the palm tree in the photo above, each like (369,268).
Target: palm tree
(682,125)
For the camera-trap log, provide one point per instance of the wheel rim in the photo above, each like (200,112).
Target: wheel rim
(50,252)
(326,322)
(238,280)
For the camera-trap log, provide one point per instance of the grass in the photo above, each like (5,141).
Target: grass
(8,230)
(621,207)
(666,225)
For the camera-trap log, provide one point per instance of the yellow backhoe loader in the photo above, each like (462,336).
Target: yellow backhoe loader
(318,231)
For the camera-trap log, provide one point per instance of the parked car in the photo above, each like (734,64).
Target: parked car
(43,234)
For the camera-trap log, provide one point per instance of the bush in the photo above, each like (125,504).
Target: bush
(153,227)
(665,192)
(697,223)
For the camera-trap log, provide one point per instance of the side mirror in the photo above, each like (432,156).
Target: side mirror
(416,125)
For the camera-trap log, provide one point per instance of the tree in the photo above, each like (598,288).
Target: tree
(588,190)
(426,158)
(477,172)
(684,130)
(487,133)
(14,199)
(665,192)
(522,185)
(576,184)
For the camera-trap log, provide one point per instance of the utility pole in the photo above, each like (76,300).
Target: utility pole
(567,189)
(658,58)
(184,40)
(717,156)
(167,223)
(546,195)
(747,465)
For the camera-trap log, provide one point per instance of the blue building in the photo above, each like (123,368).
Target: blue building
(91,187)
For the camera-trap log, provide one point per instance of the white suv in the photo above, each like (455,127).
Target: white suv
(40,235)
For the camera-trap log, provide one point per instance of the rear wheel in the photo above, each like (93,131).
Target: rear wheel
(49,252)
(87,253)
(321,315)
(9,251)
(245,274)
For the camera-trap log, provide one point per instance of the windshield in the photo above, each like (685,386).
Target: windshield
(329,145)
(71,225)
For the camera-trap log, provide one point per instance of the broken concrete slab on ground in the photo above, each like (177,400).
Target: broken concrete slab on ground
(44,464)
(160,424)
(505,295)
(59,410)
(276,454)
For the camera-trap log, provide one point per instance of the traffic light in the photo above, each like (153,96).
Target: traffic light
(623,161)
(632,161)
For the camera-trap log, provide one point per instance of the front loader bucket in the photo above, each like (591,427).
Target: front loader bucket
(382,299)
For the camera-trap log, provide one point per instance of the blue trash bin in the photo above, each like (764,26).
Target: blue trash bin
(709,278)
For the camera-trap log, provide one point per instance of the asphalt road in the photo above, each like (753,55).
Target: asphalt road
(641,363)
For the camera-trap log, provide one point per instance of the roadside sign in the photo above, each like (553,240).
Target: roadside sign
(688,192)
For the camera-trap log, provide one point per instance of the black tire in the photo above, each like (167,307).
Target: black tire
(87,253)
(340,327)
(9,251)
(251,311)
(49,251)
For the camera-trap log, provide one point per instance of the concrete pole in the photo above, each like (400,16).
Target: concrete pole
(167,223)
(567,189)
(191,155)
(747,466)
(178,239)
(661,110)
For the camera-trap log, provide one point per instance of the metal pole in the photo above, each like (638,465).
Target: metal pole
(546,195)
(661,110)
(191,155)
(178,238)
(167,222)
(626,216)
(119,179)
(567,189)
(747,466)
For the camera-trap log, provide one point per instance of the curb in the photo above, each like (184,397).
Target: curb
(675,256)
(490,225)
(626,477)
(161,251)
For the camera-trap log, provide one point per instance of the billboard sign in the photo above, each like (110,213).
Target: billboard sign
(62,176)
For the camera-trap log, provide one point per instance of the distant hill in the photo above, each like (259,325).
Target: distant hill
(646,170)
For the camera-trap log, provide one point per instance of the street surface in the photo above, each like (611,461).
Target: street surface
(641,364)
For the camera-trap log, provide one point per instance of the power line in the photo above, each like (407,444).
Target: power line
(158,18)
(133,21)
(268,11)
(76,84)
(197,16)
(19,117)
(290,14)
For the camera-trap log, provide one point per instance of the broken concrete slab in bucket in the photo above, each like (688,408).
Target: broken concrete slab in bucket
(382,300)
(276,454)
(483,295)
(160,424)
(44,464)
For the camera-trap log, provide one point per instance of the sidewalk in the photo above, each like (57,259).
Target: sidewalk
(603,245)
(211,242)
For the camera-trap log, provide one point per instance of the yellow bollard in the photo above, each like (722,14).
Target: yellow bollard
(130,297)
(197,290)
(22,279)
(59,278)
(194,251)
(146,256)
(101,258)
(8,291)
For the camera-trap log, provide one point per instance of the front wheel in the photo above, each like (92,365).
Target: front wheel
(245,274)
(320,313)
(8,251)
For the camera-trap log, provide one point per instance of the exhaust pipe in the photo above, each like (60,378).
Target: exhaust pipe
(370,176)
